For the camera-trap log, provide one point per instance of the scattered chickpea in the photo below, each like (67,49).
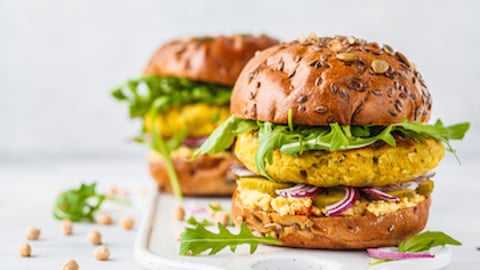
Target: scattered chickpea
(127,223)
(143,191)
(25,250)
(112,191)
(32,233)
(94,237)
(238,221)
(104,219)
(123,192)
(101,253)
(70,265)
(179,213)
(66,226)
(211,212)
(221,217)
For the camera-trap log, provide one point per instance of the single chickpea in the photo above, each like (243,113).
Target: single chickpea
(94,237)
(124,192)
(143,191)
(215,204)
(127,223)
(101,253)
(179,213)
(104,219)
(32,233)
(25,250)
(221,217)
(70,265)
(238,221)
(112,191)
(66,226)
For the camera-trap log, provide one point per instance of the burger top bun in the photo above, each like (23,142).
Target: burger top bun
(331,80)
(209,59)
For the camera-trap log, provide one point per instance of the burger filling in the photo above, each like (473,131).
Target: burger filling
(175,109)
(176,112)
(195,120)
(336,169)
(265,195)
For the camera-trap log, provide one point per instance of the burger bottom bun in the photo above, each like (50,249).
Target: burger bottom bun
(206,175)
(341,232)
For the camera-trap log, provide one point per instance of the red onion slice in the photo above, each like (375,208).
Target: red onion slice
(298,191)
(194,142)
(423,177)
(242,171)
(351,196)
(197,210)
(410,185)
(389,253)
(380,194)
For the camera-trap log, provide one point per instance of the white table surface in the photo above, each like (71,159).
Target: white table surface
(29,189)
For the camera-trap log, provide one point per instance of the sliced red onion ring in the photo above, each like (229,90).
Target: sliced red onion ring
(194,142)
(405,185)
(299,191)
(410,185)
(390,253)
(380,194)
(198,210)
(351,196)
(423,177)
(242,171)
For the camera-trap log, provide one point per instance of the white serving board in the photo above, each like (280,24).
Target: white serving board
(157,247)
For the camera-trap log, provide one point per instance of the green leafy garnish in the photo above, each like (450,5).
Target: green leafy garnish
(223,136)
(166,92)
(78,204)
(161,146)
(294,140)
(204,222)
(198,239)
(426,241)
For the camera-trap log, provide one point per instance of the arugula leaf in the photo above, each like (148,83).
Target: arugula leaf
(223,136)
(160,146)
(437,131)
(198,239)
(426,241)
(170,91)
(269,139)
(78,204)
(204,222)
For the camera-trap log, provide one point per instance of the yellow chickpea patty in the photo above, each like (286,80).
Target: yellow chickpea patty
(377,165)
(198,120)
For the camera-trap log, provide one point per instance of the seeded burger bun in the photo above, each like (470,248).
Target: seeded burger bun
(208,59)
(322,81)
(216,60)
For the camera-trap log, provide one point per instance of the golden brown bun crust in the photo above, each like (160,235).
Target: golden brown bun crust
(209,59)
(331,80)
(206,175)
(350,232)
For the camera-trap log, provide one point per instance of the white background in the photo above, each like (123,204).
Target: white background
(59,59)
